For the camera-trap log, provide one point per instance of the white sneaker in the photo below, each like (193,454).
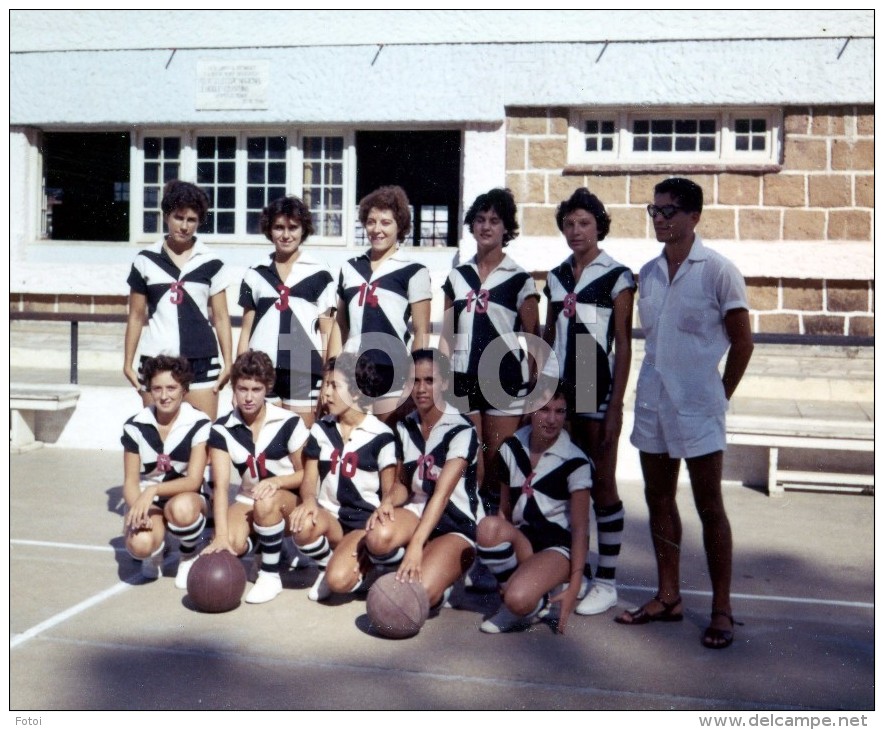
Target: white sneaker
(601,596)
(184,567)
(585,584)
(319,591)
(505,620)
(266,588)
(152,567)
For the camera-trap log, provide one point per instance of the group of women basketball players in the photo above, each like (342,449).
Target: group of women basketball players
(355,442)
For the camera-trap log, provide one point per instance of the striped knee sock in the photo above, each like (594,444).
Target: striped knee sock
(388,559)
(270,540)
(188,535)
(499,559)
(610,528)
(319,550)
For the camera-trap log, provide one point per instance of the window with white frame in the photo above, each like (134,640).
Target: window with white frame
(241,173)
(674,136)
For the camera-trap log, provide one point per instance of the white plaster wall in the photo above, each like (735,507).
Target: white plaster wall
(439,83)
(33,30)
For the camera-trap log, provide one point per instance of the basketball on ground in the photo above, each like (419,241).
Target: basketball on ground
(216,582)
(397,610)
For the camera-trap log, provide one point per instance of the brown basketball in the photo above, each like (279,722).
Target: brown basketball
(397,610)
(216,582)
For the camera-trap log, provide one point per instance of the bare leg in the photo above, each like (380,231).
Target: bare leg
(204,400)
(446,558)
(705,474)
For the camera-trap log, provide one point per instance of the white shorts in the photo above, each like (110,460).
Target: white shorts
(681,435)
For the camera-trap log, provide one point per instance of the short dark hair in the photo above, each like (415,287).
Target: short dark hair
(432,355)
(291,208)
(392,198)
(502,202)
(685,192)
(362,376)
(178,367)
(178,195)
(582,199)
(255,365)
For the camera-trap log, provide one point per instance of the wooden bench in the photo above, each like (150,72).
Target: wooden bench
(25,399)
(824,434)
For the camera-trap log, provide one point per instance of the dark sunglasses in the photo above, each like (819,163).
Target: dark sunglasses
(667,211)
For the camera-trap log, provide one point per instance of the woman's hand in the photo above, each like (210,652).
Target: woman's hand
(384,513)
(138,516)
(304,515)
(223,377)
(219,544)
(613,426)
(410,568)
(567,600)
(266,488)
(132,377)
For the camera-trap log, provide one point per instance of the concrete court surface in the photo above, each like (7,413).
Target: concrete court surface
(86,634)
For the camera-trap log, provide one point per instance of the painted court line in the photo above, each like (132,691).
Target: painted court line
(122,587)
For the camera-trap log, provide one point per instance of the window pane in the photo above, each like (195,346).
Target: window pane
(255,198)
(608,128)
(759,125)
(151,197)
(255,172)
(685,144)
(256,147)
(226,197)
(151,172)
(708,126)
(205,147)
(686,126)
(170,171)
(661,144)
(276,173)
(741,126)
(759,144)
(333,224)
(641,127)
(275,193)
(741,143)
(151,148)
(592,126)
(707,144)
(151,223)
(323,179)
(334,173)
(661,126)
(640,144)
(335,147)
(205,173)
(592,144)
(607,144)
(171,147)
(226,148)
(277,147)
(253,223)
(225,223)
(226,172)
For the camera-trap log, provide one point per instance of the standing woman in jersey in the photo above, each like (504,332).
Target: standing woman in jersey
(172,284)
(164,457)
(288,308)
(589,327)
(381,292)
(488,301)
(434,534)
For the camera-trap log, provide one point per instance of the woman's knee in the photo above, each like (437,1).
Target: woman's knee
(491,531)
(183,509)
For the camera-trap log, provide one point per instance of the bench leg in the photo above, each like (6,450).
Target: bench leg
(21,429)
(773,488)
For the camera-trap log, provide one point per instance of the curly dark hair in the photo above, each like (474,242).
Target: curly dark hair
(178,367)
(291,208)
(392,198)
(363,378)
(179,194)
(255,365)
(585,200)
(501,201)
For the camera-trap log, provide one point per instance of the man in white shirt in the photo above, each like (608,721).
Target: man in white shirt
(693,308)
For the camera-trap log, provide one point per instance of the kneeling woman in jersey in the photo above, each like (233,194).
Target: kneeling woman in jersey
(539,539)
(349,467)
(263,442)
(434,535)
(164,459)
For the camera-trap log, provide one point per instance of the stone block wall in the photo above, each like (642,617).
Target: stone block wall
(822,191)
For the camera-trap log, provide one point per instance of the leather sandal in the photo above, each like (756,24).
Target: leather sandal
(638,616)
(719,638)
